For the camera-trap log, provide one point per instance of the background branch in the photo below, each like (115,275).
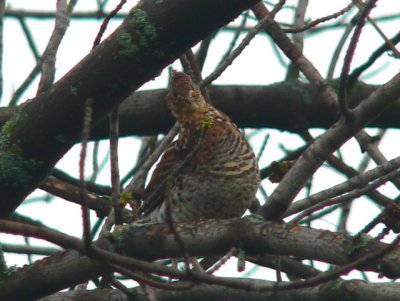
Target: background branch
(291,106)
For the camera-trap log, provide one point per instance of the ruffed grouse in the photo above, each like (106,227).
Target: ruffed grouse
(219,179)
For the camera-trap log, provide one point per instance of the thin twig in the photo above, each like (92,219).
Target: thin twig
(345,198)
(201,54)
(194,66)
(101,4)
(298,38)
(29,38)
(235,37)
(114,165)
(380,32)
(345,211)
(277,8)
(263,146)
(95,161)
(383,233)
(195,73)
(50,51)
(375,140)
(367,228)
(27,82)
(186,66)
(115,215)
(296,56)
(235,53)
(343,22)
(222,261)
(338,50)
(278,269)
(319,214)
(178,238)
(343,83)
(87,122)
(366,144)
(319,20)
(139,177)
(345,187)
(119,285)
(148,145)
(353,77)
(150,281)
(49,55)
(104,25)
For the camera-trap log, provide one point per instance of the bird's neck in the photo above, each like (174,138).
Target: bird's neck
(193,127)
(189,134)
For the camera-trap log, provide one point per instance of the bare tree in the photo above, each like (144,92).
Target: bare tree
(94,101)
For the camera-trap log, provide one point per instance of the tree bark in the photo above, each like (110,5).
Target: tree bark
(149,39)
(355,290)
(288,106)
(206,238)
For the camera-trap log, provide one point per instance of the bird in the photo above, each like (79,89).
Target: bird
(209,172)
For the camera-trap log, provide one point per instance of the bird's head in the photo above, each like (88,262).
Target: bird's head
(184,98)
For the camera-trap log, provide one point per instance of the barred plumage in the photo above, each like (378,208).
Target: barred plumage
(221,178)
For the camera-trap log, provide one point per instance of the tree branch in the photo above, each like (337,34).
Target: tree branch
(146,42)
(352,290)
(326,144)
(291,106)
(201,239)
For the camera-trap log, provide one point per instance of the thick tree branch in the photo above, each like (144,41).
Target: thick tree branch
(291,106)
(202,239)
(147,41)
(355,290)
